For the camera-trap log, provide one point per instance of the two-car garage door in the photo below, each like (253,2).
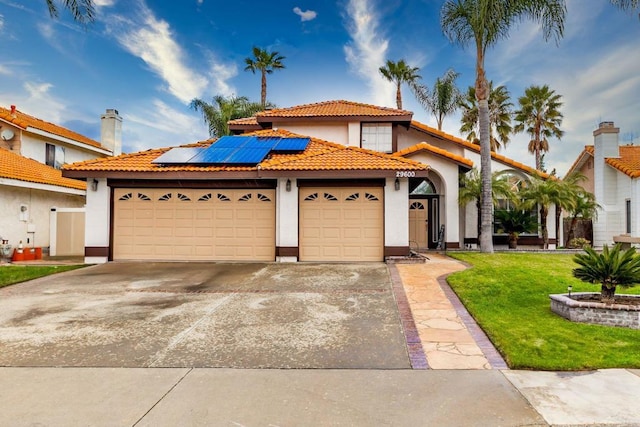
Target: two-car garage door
(189,224)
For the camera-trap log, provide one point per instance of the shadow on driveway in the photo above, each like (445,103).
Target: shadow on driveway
(205,315)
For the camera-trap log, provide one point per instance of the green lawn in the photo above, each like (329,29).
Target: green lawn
(10,275)
(508,295)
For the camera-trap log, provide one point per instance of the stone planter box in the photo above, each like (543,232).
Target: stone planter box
(626,316)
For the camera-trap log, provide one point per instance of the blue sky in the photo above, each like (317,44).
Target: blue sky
(149,58)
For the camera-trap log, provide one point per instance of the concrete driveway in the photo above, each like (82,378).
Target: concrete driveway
(205,315)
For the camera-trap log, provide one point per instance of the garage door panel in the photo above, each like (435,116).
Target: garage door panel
(167,224)
(341,224)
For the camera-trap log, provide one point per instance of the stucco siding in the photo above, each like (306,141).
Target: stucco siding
(329,131)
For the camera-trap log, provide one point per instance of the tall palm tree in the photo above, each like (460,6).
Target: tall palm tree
(539,115)
(482,23)
(217,114)
(444,99)
(398,73)
(265,62)
(82,11)
(499,116)
(471,191)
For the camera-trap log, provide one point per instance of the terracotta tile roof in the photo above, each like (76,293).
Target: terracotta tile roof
(25,121)
(466,144)
(244,121)
(628,163)
(15,166)
(338,108)
(423,146)
(319,155)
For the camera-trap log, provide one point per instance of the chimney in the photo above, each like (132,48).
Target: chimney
(111,131)
(606,140)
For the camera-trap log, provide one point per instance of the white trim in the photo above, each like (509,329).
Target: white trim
(45,187)
(69,141)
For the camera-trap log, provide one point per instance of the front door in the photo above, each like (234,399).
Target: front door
(424,222)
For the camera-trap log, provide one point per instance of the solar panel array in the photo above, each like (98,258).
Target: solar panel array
(236,150)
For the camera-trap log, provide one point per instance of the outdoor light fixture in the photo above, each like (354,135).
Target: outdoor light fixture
(94,184)
(569,289)
(397,184)
(288,185)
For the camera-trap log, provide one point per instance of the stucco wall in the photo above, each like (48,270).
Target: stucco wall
(97,220)
(329,131)
(34,147)
(39,204)
(396,213)
(286,216)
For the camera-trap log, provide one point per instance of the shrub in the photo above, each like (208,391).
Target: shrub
(579,243)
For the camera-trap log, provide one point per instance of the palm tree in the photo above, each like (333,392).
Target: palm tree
(265,62)
(513,222)
(626,4)
(482,23)
(471,191)
(610,268)
(81,10)
(584,207)
(542,193)
(499,116)
(398,73)
(217,114)
(539,115)
(443,100)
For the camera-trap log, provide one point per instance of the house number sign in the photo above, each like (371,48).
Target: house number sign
(405,174)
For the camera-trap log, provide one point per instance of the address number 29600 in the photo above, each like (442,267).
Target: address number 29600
(405,174)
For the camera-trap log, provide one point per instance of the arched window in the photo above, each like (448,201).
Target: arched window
(423,187)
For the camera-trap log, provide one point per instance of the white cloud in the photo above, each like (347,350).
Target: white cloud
(307,15)
(160,125)
(1,23)
(200,2)
(40,103)
(104,3)
(220,75)
(367,50)
(152,40)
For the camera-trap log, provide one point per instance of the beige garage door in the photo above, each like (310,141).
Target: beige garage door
(341,224)
(183,224)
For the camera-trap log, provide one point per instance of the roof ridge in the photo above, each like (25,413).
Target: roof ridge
(328,102)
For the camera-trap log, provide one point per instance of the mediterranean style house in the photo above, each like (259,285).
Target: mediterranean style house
(40,207)
(330,181)
(612,171)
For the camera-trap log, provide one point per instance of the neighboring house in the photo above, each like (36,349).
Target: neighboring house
(36,200)
(369,183)
(612,174)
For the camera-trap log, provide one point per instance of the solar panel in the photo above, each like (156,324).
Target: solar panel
(232,141)
(213,155)
(292,144)
(248,156)
(178,155)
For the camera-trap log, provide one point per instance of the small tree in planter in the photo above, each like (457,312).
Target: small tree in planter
(514,222)
(610,268)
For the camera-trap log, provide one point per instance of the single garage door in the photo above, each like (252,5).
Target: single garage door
(187,224)
(341,224)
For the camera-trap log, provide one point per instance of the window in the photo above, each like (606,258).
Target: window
(54,156)
(377,137)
